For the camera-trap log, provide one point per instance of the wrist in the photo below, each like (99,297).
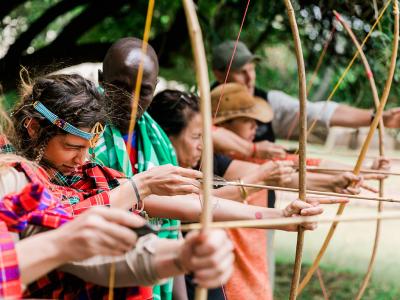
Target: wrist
(283,213)
(254,150)
(57,246)
(142,183)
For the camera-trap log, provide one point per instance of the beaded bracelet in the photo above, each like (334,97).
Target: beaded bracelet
(139,202)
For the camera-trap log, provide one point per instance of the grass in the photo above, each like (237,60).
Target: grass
(339,285)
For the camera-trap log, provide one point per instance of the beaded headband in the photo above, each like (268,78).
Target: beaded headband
(92,136)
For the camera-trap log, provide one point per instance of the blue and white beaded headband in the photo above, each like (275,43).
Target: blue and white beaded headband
(92,136)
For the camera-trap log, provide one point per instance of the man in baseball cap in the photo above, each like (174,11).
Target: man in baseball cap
(284,106)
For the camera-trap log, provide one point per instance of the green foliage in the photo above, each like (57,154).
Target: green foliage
(339,285)
(266,28)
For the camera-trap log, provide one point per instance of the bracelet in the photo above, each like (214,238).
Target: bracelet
(139,202)
(243,191)
(253,154)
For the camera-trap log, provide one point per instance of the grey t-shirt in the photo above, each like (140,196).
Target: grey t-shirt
(286,108)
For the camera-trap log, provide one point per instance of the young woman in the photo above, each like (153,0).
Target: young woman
(62,147)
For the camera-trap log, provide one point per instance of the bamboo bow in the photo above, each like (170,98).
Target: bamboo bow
(302,141)
(205,107)
(374,91)
(364,149)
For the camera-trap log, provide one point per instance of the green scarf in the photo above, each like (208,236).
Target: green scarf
(153,149)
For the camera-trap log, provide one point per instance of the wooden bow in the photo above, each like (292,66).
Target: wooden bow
(374,91)
(302,141)
(366,144)
(205,107)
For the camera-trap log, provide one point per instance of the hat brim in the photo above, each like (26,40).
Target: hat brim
(238,63)
(261,111)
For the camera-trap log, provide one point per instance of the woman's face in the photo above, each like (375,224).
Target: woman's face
(243,126)
(67,152)
(188,145)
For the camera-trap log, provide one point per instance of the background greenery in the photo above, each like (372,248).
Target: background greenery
(47,34)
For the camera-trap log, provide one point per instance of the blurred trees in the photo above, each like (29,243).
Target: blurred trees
(47,34)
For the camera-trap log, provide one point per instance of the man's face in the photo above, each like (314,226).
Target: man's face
(125,79)
(246,75)
(67,152)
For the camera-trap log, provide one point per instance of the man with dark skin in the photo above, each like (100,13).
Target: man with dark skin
(120,68)
(118,78)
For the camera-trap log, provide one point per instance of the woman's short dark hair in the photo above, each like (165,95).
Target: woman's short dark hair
(173,109)
(71,97)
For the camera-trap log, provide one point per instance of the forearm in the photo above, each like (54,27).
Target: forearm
(124,196)
(347,116)
(254,176)
(38,255)
(315,181)
(136,267)
(188,208)
(227,142)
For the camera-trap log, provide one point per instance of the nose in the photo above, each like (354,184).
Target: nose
(80,157)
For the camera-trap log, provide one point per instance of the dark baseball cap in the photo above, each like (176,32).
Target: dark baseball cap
(222,54)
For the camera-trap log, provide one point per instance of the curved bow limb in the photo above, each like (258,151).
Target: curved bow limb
(302,142)
(371,80)
(366,144)
(205,107)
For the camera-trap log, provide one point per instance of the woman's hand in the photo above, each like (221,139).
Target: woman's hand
(210,257)
(277,173)
(348,183)
(311,207)
(381,163)
(268,150)
(99,231)
(168,180)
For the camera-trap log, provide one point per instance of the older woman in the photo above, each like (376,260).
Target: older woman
(178,114)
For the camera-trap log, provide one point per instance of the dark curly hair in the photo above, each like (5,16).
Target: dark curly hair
(173,110)
(71,97)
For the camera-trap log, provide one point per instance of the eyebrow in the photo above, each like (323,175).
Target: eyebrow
(74,146)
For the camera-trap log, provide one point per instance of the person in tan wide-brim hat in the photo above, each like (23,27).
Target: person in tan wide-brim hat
(238,110)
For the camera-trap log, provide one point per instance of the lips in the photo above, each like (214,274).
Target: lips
(69,169)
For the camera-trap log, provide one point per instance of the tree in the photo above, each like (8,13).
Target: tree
(58,33)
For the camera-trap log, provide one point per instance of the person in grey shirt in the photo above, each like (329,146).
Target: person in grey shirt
(285,107)
(285,121)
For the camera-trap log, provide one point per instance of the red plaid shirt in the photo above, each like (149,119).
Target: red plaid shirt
(89,187)
(33,205)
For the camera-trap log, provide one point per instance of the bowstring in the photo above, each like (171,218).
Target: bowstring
(344,74)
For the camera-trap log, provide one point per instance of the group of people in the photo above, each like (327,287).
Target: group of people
(75,200)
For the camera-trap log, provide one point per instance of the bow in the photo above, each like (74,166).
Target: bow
(205,107)
(302,142)
(371,80)
(367,141)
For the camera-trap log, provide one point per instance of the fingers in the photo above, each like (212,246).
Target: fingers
(295,207)
(218,274)
(117,216)
(374,176)
(212,258)
(381,163)
(326,200)
(113,235)
(351,190)
(190,173)
(312,211)
(369,188)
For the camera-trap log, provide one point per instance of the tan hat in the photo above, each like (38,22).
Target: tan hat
(238,102)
